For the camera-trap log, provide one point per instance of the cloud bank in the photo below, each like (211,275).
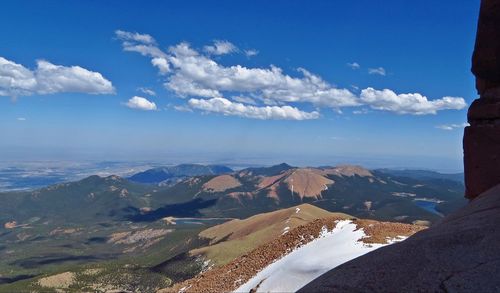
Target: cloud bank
(226,107)
(265,93)
(415,103)
(47,78)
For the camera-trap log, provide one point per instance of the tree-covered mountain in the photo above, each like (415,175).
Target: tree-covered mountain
(172,174)
(350,189)
(423,174)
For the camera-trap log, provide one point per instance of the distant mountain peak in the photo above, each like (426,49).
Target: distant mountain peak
(349,170)
(160,174)
(267,171)
(283,165)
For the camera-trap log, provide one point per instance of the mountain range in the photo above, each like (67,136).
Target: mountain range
(165,229)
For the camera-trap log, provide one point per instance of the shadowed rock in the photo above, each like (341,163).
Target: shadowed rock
(482,137)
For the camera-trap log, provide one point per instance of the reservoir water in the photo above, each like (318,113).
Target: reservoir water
(429,206)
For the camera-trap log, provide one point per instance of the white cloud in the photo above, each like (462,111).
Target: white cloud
(194,74)
(162,64)
(226,107)
(147,91)
(197,75)
(141,43)
(220,48)
(251,52)
(378,71)
(245,100)
(57,79)
(413,103)
(354,65)
(146,46)
(17,80)
(451,126)
(142,38)
(21,119)
(141,103)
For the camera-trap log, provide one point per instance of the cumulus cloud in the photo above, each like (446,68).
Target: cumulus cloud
(377,71)
(413,103)
(251,52)
(47,78)
(354,65)
(141,103)
(451,126)
(220,48)
(192,73)
(162,64)
(198,75)
(226,107)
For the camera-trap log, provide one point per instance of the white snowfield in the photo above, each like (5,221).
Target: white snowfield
(301,266)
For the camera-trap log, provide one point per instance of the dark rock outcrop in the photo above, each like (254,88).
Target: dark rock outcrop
(486,57)
(460,254)
(482,137)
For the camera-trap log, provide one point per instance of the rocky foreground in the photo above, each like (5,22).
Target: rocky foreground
(231,276)
(460,254)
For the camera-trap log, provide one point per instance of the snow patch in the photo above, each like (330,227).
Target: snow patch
(304,264)
(396,239)
(297,210)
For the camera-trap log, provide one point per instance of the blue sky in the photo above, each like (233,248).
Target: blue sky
(231,87)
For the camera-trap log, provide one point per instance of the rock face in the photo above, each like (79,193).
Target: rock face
(482,137)
(481,153)
(460,254)
(486,57)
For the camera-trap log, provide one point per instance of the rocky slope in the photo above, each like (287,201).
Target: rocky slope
(237,237)
(460,254)
(232,275)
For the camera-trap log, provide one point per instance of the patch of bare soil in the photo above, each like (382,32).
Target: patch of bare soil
(349,171)
(271,184)
(60,281)
(138,239)
(221,183)
(10,225)
(59,231)
(307,182)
